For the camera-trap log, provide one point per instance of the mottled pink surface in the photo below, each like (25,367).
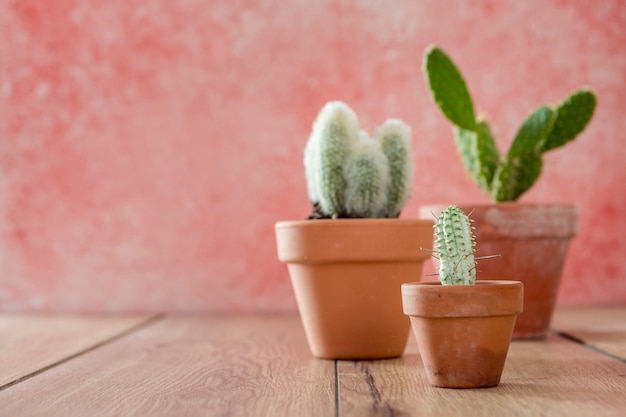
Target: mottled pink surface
(148,147)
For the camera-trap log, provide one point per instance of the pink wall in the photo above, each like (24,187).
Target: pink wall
(148,147)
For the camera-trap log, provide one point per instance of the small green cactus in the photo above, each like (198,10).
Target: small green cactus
(454,241)
(504,177)
(350,174)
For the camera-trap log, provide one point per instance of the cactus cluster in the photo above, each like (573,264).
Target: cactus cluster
(352,175)
(504,177)
(455,248)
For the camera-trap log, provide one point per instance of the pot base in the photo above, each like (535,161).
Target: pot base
(478,364)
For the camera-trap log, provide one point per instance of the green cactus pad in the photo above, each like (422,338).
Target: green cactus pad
(515,176)
(478,153)
(449,89)
(572,116)
(533,132)
(455,245)
(545,129)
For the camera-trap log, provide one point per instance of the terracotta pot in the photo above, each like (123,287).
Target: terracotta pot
(532,241)
(463,331)
(346,275)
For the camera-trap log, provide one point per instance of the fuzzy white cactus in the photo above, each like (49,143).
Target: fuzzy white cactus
(395,139)
(335,132)
(350,174)
(367,179)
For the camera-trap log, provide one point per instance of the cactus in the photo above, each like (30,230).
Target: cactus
(395,139)
(368,170)
(504,177)
(350,174)
(455,247)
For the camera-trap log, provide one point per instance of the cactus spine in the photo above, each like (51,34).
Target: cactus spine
(455,246)
(504,177)
(350,174)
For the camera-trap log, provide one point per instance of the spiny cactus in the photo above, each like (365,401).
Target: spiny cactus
(350,174)
(504,177)
(455,247)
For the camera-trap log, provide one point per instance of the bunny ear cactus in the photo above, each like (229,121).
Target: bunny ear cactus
(350,174)
(504,177)
(455,247)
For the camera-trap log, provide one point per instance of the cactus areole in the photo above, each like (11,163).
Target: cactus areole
(352,175)
(504,177)
(455,248)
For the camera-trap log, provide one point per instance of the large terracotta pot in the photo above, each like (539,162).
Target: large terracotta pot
(346,276)
(532,241)
(463,331)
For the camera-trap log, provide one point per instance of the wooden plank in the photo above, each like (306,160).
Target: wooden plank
(184,366)
(30,342)
(603,327)
(555,377)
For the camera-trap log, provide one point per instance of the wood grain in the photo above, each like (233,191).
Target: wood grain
(604,327)
(188,366)
(555,377)
(30,343)
(260,365)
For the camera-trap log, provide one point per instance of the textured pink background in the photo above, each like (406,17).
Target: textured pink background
(148,147)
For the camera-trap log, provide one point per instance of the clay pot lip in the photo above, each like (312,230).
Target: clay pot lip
(505,204)
(478,282)
(354,240)
(507,208)
(516,220)
(485,298)
(358,222)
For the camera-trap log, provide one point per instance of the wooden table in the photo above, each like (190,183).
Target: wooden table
(260,365)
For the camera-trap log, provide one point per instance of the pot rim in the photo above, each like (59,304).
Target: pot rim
(516,220)
(485,298)
(505,204)
(358,222)
(354,240)
(411,285)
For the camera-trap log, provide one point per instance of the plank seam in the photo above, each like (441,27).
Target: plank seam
(575,339)
(337,391)
(88,349)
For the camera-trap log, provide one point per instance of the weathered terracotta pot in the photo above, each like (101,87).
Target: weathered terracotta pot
(463,331)
(346,275)
(532,241)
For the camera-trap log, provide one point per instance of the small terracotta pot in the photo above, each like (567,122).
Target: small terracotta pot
(463,331)
(346,275)
(532,241)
